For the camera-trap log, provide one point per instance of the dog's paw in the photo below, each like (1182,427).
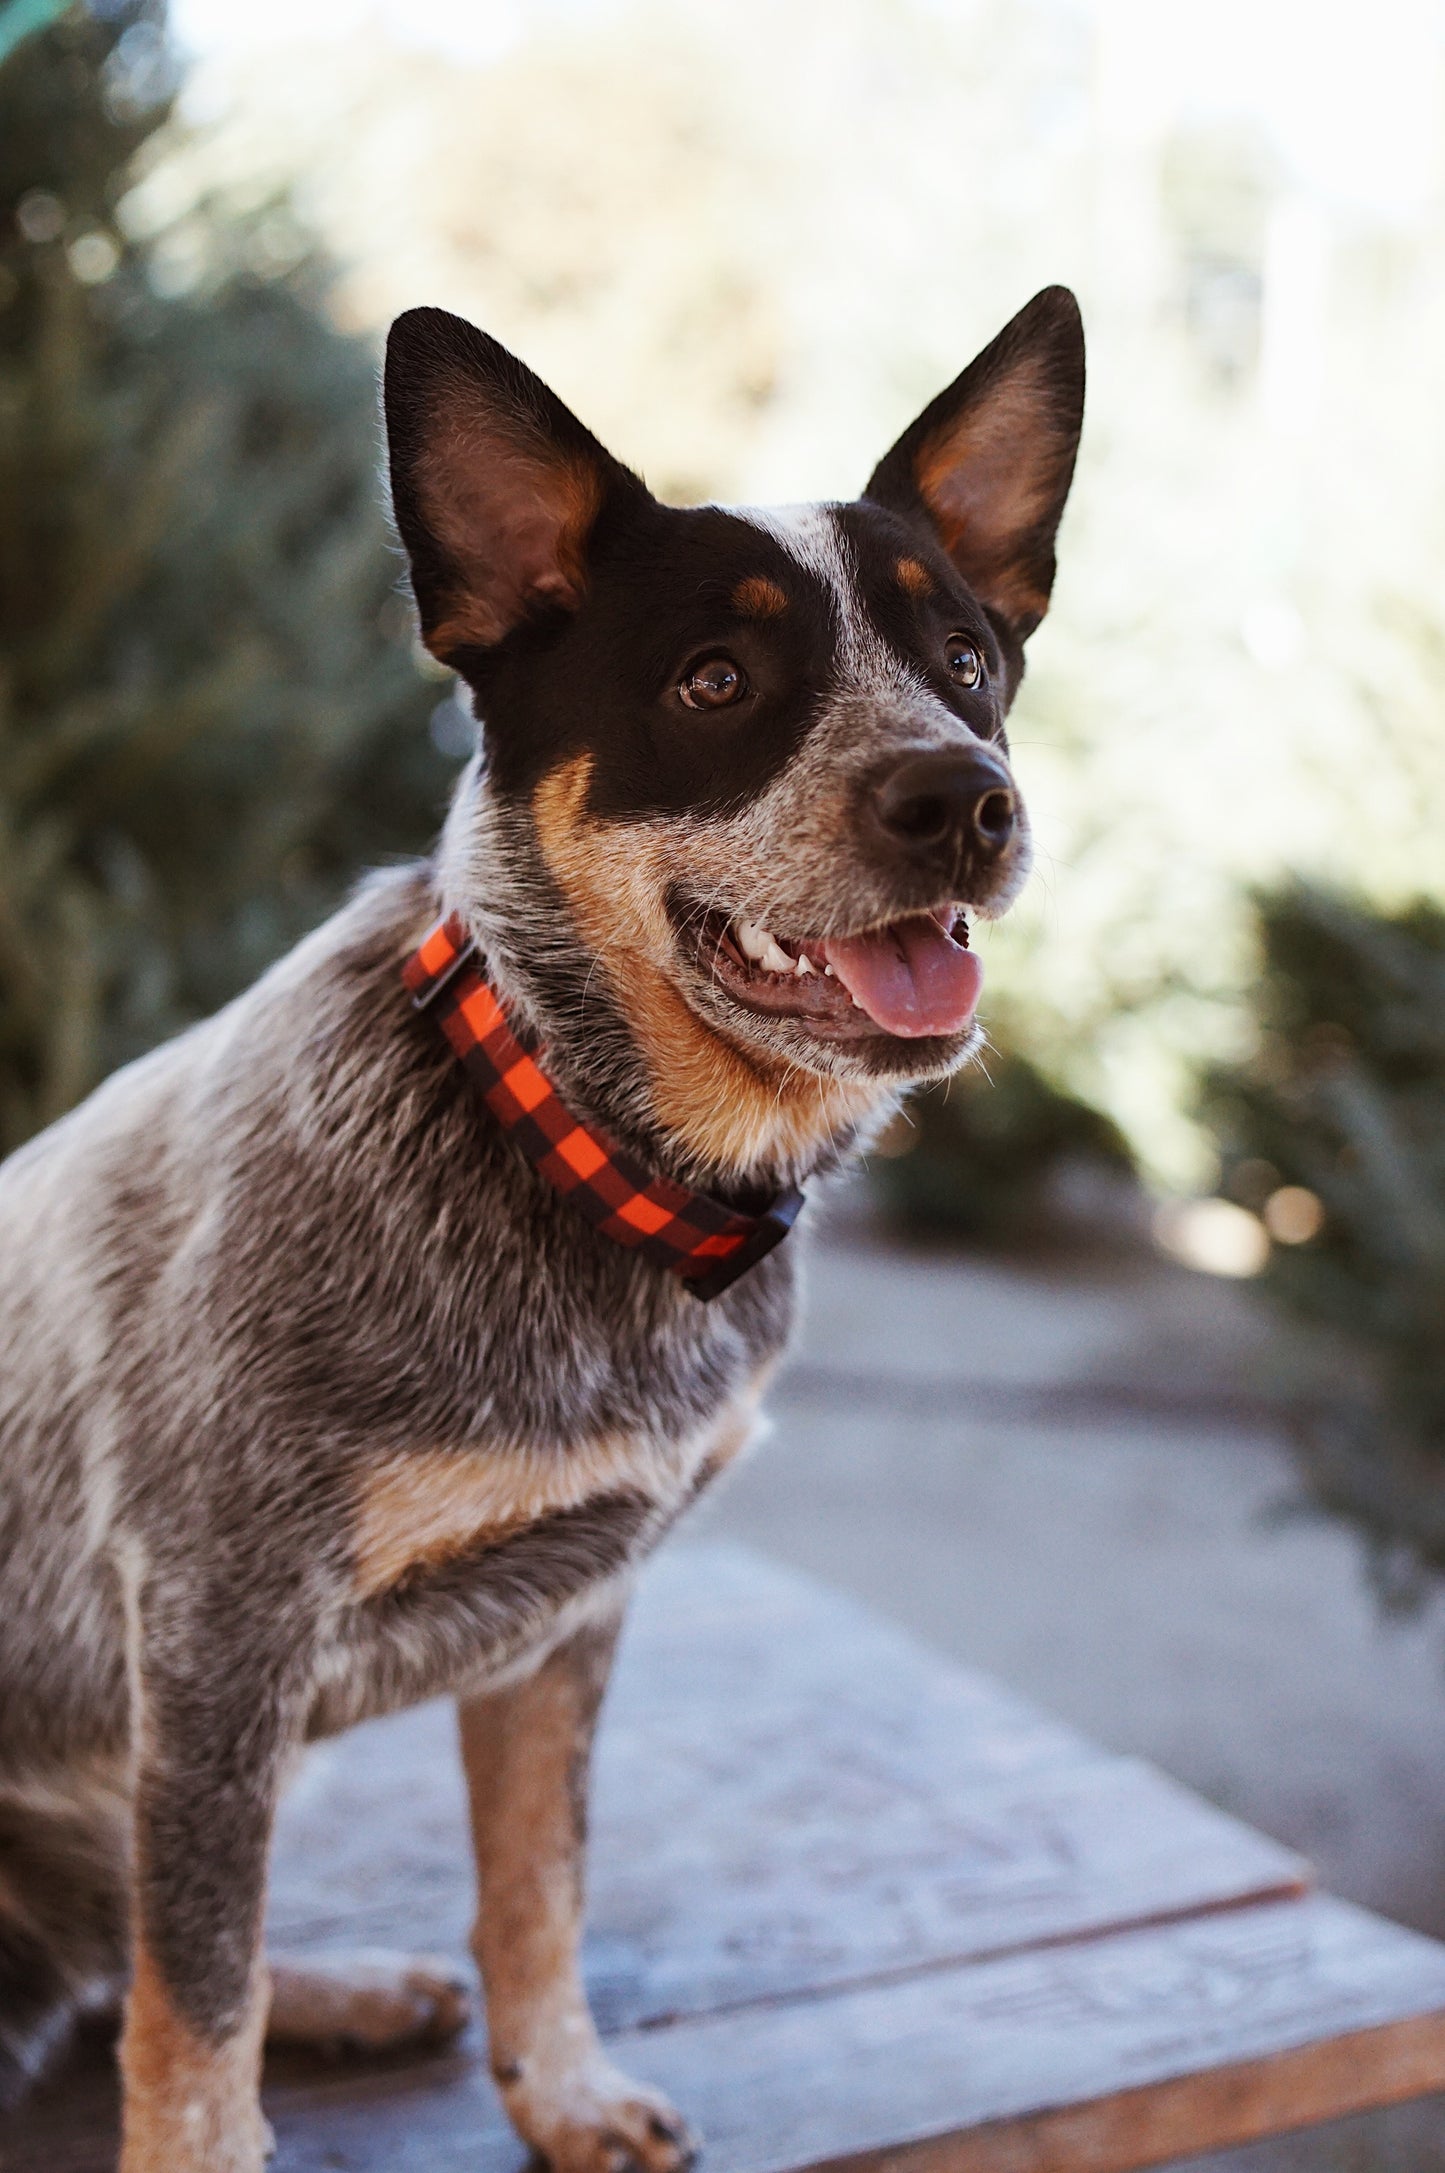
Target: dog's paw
(368,2003)
(597,2120)
(196,2139)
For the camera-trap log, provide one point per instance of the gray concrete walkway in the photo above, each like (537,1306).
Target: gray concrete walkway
(1076,1477)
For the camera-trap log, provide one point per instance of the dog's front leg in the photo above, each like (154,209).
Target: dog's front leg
(217,1683)
(527,1751)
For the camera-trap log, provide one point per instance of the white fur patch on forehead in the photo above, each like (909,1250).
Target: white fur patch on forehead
(896,695)
(814,539)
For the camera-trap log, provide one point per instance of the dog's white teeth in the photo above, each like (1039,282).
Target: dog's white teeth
(829,972)
(763,948)
(804,963)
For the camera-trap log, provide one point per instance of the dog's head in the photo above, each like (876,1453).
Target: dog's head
(756,756)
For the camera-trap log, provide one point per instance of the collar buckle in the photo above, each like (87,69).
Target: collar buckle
(772,1226)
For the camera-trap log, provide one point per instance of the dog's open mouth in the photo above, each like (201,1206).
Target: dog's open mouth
(913,977)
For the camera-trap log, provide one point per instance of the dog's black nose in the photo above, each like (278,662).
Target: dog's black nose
(953,805)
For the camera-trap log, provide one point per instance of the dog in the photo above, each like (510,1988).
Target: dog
(357,1345)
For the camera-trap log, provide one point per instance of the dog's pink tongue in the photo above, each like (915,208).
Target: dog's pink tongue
(911,977)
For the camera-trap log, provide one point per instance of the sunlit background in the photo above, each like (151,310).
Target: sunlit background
(747,243)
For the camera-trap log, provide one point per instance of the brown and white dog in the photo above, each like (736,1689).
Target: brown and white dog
(316,1396)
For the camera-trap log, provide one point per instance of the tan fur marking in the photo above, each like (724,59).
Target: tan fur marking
(372,2002)
(914,576)
(536,1836)
(424,1508)
(757,597)
(190,2107)
(738,1427)
(418,1510)
(718,1104)
(525,1752)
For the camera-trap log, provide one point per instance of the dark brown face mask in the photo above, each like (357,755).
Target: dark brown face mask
(703,1241)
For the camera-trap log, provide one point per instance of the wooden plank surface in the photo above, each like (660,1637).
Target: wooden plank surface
(789,1795)
(1118,2052)
(851,1908)
(1092,2058)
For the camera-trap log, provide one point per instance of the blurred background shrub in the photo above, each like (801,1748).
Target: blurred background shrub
(209,716)
(1333,1131)
(747,243)
(1000,1153)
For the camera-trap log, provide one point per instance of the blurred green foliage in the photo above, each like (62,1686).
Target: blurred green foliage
(209,713)
(1345,1097)
(980,1155)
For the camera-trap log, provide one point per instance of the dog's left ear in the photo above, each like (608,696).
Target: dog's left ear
(989,462)
(496,486)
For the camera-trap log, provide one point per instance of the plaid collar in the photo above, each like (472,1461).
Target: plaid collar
(707,1244)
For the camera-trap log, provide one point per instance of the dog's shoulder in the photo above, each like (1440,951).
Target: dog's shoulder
(305,1194)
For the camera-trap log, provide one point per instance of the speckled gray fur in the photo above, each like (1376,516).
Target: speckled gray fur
(286,1245)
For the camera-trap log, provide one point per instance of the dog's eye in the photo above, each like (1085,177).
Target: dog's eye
(964,662)
(712,684)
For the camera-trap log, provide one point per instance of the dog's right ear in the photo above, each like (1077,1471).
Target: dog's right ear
(988,464)
(495,484)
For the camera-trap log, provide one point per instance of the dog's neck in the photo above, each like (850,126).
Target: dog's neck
(622,1046)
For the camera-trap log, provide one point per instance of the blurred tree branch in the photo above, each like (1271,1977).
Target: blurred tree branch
(1344,1098)
(209,713)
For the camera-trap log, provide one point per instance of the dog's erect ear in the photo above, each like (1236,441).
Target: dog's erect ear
(989,462)
(495,484)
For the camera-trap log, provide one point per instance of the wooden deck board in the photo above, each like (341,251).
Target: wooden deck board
(852,1908)
(789,1795)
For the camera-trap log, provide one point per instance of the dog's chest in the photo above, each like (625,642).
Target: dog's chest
(418,1512)
(463,1561)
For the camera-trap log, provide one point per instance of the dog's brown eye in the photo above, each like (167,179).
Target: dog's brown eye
(713,684)
(964,662)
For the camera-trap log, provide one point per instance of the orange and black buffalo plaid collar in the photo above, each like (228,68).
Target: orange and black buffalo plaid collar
(709,1245)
